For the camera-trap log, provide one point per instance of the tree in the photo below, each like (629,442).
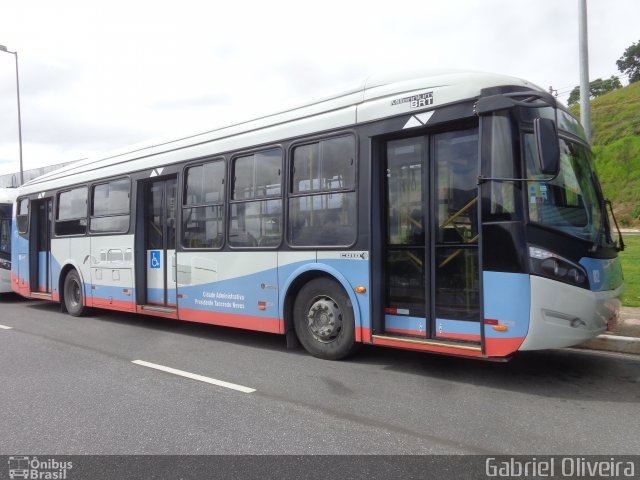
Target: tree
(629,62)
(596,88)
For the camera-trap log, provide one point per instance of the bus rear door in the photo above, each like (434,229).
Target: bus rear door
(159,209)
(40,249)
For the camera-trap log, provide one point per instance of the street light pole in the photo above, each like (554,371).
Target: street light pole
(585,105)
(15,54)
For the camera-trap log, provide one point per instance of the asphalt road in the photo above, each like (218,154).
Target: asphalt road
(68,386)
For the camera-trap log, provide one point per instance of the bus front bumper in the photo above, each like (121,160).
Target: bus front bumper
(563,315)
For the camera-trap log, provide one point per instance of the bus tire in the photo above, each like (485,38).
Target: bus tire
(324,320)
(73,297)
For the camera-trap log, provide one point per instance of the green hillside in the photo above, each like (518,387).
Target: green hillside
(615,123)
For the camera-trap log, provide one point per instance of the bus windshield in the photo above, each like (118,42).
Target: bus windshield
(571,201)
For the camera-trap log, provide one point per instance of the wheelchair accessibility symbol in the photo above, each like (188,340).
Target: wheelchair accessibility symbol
(155,259)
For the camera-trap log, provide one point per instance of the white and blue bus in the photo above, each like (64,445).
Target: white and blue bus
(7,198)
(451,212)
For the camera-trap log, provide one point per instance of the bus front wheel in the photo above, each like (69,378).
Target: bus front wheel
(324,319)
(73,297)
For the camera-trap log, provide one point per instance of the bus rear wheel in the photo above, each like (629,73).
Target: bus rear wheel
(324,320)
(73,297)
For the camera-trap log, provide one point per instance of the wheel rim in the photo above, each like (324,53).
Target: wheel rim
(324,319)
(75,294)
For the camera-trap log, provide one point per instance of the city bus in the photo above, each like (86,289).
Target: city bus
(449,212)
(7,197)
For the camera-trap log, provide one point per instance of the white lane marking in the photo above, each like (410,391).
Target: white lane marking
(195,376)
(4,327)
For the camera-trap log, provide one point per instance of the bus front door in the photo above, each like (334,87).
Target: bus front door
(40,250)
(160,198)
(431,254)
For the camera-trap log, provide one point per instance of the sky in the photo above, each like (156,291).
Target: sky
(96,76)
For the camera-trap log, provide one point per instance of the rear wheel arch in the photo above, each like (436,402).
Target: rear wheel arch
(297,281)
(327,283)
(64,273)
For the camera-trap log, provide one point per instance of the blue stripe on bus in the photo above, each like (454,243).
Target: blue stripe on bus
(413,325)
(507,298)
(155,295)
(100,291)
(19,255)
(604,274)
(255,294)
(237,295)
(446,325)
(349,273)
(42,270)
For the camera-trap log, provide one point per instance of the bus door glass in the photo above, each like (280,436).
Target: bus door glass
(160,235)
(405,267)
(41,257)
(456,307)
(431,267)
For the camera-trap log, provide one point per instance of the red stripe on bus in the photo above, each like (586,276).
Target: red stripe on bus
(249,322)
(502,347)
(365,334)
(118,305)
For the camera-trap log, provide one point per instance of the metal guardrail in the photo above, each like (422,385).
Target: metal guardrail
(13,179)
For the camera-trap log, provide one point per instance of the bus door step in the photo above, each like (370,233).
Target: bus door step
(462,345)
(158,308)
(41,295)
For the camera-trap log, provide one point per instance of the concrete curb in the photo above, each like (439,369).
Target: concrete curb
(613,343)
(624,338)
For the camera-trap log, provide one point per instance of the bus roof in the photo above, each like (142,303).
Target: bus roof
(376,98)
(8,195)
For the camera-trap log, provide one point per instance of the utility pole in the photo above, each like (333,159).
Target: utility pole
(15,54)
(585,105)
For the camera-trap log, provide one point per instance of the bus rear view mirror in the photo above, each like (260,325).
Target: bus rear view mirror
(548,146)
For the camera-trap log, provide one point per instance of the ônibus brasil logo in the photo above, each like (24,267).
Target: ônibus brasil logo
(33,468)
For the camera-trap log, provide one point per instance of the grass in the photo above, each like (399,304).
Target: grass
(618,166)
(615,121)
(630,259)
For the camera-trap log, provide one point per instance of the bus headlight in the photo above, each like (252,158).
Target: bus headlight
(550,265)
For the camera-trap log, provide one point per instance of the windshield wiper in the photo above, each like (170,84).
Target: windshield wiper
(620,248)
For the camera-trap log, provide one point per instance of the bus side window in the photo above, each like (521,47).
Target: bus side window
(71,218)
(22,219)
(322,202)
(256,208)
(110,207)
(203,206)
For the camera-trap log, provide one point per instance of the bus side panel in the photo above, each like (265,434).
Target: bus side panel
(19,263)
(350,269)
(5,280)
(506,301)
(72,251)
(355,268)
(111,263)
(234,289)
